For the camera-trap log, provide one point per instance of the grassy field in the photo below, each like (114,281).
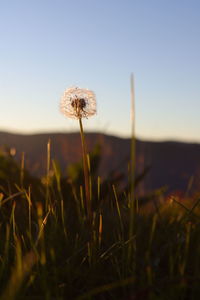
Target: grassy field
(54,246)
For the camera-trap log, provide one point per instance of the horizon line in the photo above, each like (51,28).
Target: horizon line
(124,137)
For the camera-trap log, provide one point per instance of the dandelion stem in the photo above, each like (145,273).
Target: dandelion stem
(86,171)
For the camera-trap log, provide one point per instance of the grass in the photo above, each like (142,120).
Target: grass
(48,249)
(80,237)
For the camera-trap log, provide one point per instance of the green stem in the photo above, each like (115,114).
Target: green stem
(86,171)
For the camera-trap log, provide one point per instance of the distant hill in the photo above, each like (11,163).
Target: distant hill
(173,164)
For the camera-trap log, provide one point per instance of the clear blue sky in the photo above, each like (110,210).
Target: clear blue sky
(48,45)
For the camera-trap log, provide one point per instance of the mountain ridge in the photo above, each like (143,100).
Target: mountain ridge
(171,163)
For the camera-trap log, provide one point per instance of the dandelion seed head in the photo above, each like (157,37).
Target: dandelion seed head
(78,103)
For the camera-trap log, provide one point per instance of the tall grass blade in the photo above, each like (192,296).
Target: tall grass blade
(22,169)
(21,270)
(48,174)
(132,169)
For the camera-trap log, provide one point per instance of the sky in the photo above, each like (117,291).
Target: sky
(47,46)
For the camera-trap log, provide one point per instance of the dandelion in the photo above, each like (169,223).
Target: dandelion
(77,103)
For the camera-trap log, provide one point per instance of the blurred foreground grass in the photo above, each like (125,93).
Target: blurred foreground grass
(50,250)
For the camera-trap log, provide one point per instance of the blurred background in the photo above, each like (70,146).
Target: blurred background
(47,46)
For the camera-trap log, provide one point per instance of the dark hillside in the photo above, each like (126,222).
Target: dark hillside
(172,163)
